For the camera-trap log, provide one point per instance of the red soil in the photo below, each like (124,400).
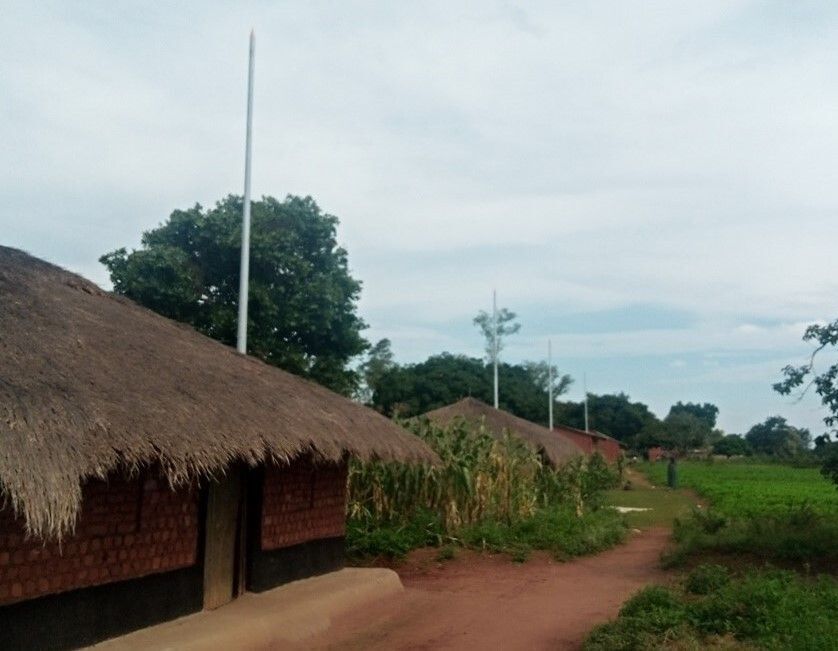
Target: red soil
(479,601)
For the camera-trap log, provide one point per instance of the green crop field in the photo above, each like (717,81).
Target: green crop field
(750,489)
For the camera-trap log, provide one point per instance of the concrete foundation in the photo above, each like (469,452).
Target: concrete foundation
(268,620)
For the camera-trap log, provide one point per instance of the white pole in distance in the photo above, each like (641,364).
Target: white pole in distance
(495,341)
(244,272)
(550,382)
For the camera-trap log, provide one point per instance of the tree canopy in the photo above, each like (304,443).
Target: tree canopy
(707,413)
(777,438)
(732,445)
(612,414)
(440,380)
(303,301)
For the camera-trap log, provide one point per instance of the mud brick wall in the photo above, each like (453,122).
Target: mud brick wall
(126,529)
(610,450)
(584,441)
(303,502)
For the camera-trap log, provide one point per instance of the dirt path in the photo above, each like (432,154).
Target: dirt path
(486,602)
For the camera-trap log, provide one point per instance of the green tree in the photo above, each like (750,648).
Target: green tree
(685,431)
(303,301)
(506,325)
(540,374)
(824,337)
(732,445)
(612,414)
(775,437)
(440,380)
(378,363)
(705,412)
(802,378)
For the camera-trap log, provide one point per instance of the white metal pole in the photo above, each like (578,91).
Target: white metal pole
(495,341)
(550,382)
(244,272)
(585,385)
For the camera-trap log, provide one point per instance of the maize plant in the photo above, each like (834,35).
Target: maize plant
(479,478)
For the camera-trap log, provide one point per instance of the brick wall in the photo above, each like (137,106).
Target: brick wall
(303,502)
(610,450)
(127,529)
(582,440)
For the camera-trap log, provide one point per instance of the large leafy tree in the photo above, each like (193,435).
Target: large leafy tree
(302,310)
(707,412)
(776,437)
(684,431)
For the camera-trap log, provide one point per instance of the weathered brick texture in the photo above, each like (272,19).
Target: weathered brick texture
(303,502)
(127,529)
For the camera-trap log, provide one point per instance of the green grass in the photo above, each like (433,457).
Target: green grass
(555,529)
(664,505)
(740,489)
(712,609)
(760,513)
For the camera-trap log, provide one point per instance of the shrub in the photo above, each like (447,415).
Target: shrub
(766,609)
(707,578)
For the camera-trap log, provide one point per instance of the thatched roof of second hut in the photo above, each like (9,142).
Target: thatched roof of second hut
(556,448)
(91,382)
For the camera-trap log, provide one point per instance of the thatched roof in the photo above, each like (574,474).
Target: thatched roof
(91,382)
(555,448)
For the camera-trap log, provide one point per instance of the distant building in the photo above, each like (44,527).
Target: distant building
(147,471)
(554,449)
(592,441)
(656,453)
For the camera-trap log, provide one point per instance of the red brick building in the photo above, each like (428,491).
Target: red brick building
(147,472)
(590,442)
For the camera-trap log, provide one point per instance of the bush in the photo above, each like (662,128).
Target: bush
(707,578)
(365,539)
(768,609)
(557,530)
(798,536)
(653,614)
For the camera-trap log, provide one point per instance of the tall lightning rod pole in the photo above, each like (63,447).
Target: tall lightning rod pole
(585,386)
(495,341)
(550,382)
(244,272)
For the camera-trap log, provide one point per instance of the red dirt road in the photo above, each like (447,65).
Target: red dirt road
(483,602)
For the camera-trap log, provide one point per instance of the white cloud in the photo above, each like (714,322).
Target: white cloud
(578,157)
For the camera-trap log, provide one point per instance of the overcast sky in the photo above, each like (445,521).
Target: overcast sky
(654,185)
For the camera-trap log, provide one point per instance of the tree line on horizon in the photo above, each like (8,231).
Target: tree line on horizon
(304,318)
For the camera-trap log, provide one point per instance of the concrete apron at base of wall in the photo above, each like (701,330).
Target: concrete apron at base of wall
(289,613)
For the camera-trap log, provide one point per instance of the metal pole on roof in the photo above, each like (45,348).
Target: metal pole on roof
(585,386)
(550,382)
(495,341)
(244,271)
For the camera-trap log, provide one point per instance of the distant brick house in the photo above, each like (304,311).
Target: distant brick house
(656,453)
(147,472)
(554,450)
(591,441)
